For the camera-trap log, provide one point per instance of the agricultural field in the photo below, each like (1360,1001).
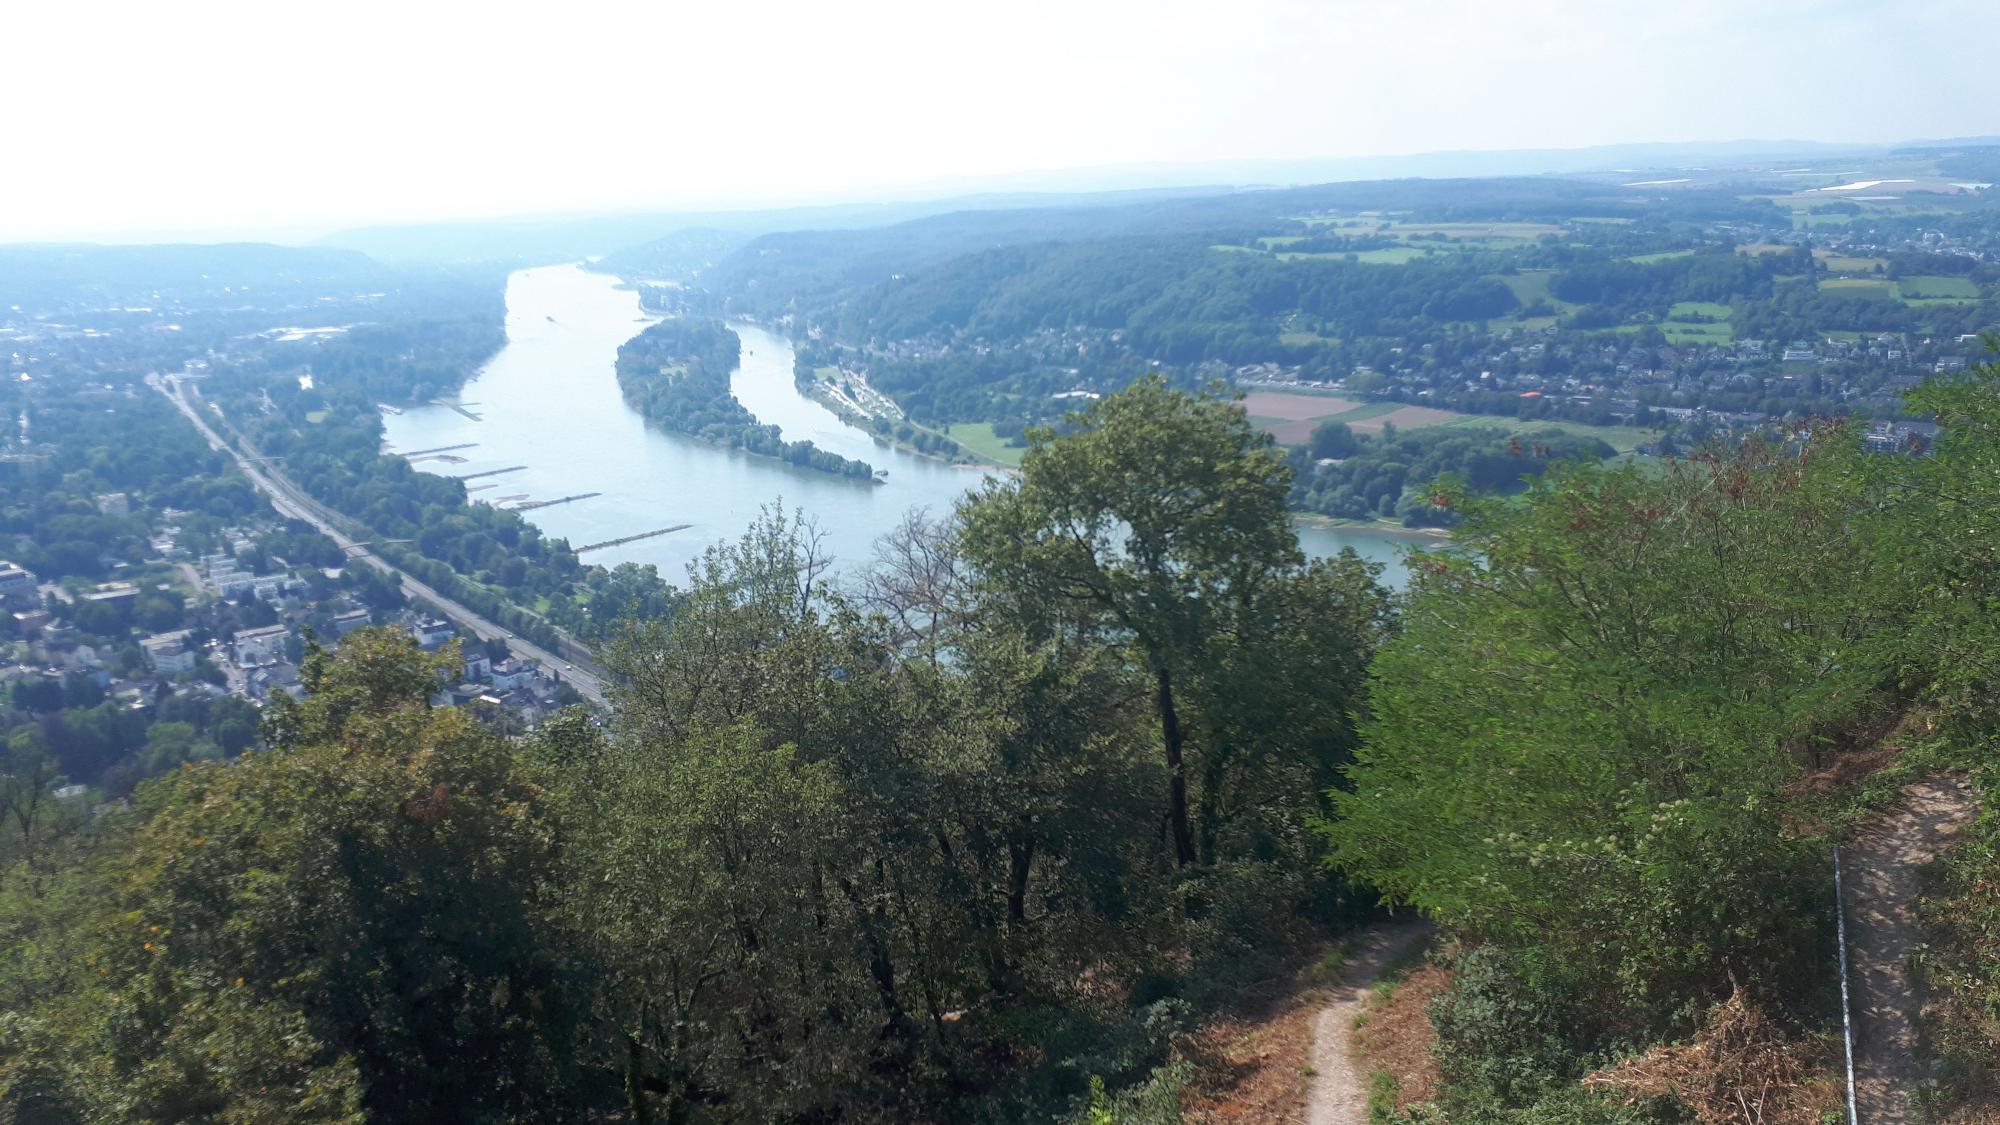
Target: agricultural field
(1661,256)
(1291,417)
(1697,322)
(1528,286)
(1859,287)
(1495,232)
(1931,290)
(1682,333)
(1698,310)
(1418,240)
(1388,256)
(1841,263)
(982,442)
(1624,439)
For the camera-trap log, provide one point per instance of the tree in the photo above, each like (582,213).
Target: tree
(377,670)
(1162,513)
(352,923)
(1334,440)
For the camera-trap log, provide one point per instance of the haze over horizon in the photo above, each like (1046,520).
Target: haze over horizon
(240,120)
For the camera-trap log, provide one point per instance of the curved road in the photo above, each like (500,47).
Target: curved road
(290,500)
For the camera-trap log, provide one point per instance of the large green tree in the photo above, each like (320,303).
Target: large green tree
(342,929)
(1159,519)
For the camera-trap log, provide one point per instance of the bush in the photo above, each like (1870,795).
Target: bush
(1505,1034)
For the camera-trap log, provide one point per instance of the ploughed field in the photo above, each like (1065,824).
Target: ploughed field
(1291,417)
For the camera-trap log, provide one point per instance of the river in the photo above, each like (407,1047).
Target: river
(549,402)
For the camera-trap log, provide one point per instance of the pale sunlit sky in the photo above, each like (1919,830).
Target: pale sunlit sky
(247,118)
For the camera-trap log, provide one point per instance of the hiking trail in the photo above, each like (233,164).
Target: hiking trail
(1338,1094)
(1881,864)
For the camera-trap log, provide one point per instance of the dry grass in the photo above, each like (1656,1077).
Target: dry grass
(1254,1065)
(1255,1071)
(1294,407)
(1740,1070)
(1397,1036)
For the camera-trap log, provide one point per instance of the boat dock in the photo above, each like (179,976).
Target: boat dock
(631,538)
(458,406)
(491,472)
(439,449)
(531,505)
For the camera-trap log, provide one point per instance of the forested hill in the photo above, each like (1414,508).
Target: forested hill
(789,271)
(1023,820)
(1694,301)
(676,375)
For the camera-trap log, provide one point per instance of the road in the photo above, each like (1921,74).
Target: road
(291,501)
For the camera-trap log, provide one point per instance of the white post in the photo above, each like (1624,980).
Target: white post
(1846,1012)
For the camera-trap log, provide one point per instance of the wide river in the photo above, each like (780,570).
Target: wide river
(549,402)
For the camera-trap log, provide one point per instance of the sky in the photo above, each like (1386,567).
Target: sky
(210,118)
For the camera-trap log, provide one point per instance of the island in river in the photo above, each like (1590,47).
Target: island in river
(550,403)
(676,375)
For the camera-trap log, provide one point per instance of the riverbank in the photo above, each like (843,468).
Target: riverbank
(821,391)
(1380,525)
(550,401)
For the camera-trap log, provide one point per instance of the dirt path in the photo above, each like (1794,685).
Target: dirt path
(1339,1093)
(1882,888)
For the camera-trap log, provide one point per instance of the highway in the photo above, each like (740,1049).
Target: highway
(290,500)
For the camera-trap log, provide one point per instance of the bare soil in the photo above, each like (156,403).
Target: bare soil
(1397,1035)
(1339,1093)
(1294,407)
(1882,887)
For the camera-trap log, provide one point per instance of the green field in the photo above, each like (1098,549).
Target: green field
(1624,439)
(1932,290)
(1859,287)
(1393,256)
(1836,263)
(1697,310)
(1682,333)
(1529,286)
(980,440)
(1661,256)
(1363,413)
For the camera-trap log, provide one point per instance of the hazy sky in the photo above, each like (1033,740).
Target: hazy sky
(252,117)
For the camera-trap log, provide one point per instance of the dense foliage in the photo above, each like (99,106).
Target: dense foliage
(1585,748)
(882,853)
(1358,476)
(676,375)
